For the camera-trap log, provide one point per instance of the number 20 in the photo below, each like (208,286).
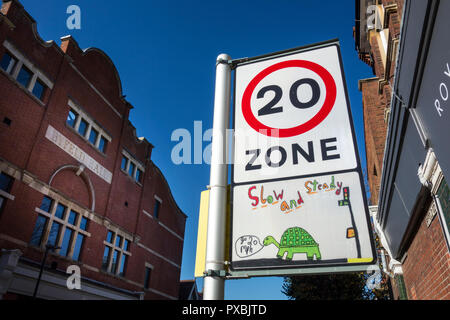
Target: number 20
(270,107)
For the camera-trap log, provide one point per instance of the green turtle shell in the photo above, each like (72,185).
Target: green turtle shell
(294,237)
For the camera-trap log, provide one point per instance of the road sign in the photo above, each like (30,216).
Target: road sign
(292,117)
(297,189)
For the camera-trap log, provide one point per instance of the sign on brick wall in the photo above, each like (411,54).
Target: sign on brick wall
(75,152)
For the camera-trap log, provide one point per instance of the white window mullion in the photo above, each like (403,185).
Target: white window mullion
(77,122)
(13,63)
(17,68)
(61,237)
(97,141)
(88,131)
(128,164)
(32,82)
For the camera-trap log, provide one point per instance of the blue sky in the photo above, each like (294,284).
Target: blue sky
(165,53)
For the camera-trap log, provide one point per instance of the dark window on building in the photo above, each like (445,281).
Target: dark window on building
(83,223)
(66,242)
(83,127)
(102,144)
(24,76)
(5,182)
(123,165)
(72,118)
(156,209)
(131,168)
(39,89)
(77,247)
(60,211)
(61,229)
(123,265)
(8,63)
(38,232)
(73,217)
(116,255)
(109,236)
(138,176)
(118,241)
(148,274)
(46,204)
(93,136)
(54,234)
(114,261)
(106,257)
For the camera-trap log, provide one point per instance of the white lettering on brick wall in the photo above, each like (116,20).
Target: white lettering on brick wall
(75,152)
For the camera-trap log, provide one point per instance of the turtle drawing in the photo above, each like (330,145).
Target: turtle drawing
(295,240)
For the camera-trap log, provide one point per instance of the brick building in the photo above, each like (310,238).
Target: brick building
(406,127)
(74,176)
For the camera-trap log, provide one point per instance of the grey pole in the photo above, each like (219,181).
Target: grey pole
(213,286)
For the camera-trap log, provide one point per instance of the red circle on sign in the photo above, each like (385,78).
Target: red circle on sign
(330,98)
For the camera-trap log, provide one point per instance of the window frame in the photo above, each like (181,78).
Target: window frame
(93,130)
(156,213)
(22,62)
(30,73)
(123,255)
(10,68)
(74,120)
(137,166)
(64,223)
(147,280)
(81,115)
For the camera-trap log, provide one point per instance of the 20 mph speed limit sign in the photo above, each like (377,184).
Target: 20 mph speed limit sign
(297,188)
(292,117)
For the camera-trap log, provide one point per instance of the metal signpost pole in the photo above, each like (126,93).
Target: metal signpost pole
(215,245)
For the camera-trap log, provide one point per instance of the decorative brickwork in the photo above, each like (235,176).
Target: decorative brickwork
(78,172)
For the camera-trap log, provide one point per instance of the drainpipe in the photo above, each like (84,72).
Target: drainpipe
(394,265)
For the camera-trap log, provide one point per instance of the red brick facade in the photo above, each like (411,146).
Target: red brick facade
(89,80)
(376,93)
(427,264)
(375,134)
(425,268)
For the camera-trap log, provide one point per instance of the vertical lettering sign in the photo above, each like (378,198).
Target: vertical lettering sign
(298,197)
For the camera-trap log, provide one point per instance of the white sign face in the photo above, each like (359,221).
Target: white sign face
(292,117)
(300,222)
(297,190)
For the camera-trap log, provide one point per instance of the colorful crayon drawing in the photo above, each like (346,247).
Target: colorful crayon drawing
(286,206)
(247,245)
(295,240)
(314,186)
(352,232)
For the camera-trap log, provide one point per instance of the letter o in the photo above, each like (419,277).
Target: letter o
(282,160)
(443,85)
